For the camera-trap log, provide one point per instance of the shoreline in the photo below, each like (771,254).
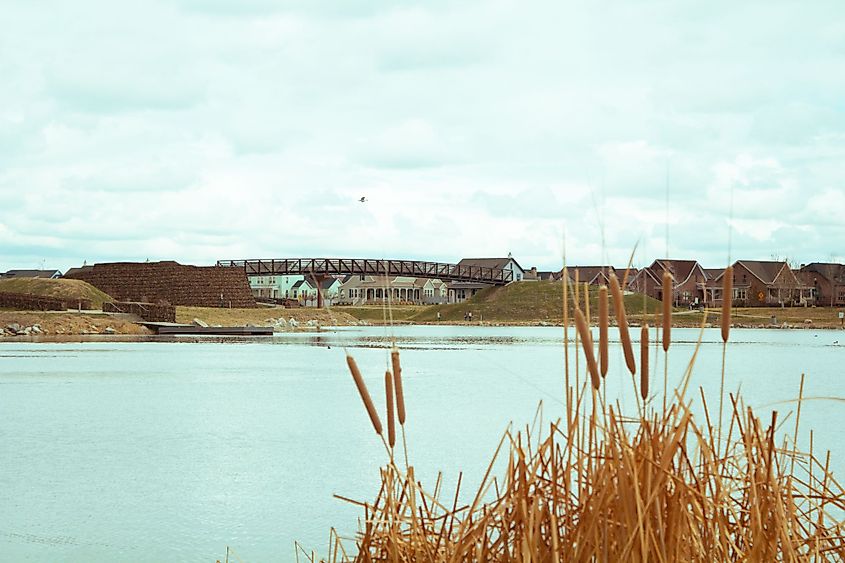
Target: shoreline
(23,325)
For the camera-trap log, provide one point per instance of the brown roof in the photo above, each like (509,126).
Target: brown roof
(680,269)
(713,273)
(766,271)
(590,273)
(834,273)
(32,274)
(489,262)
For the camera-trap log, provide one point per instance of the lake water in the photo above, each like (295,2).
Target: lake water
(172,450)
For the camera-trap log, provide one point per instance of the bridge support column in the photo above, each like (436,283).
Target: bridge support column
(318,280)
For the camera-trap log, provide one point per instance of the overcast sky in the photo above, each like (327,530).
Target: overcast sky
(202,130)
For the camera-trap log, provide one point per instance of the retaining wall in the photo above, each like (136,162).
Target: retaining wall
(147,311)
(169,282)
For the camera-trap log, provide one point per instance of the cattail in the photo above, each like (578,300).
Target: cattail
(622,321)
(604,323)
(644,361)
(388,392)
(727,298)
(365,395)
(397,384)
(667,310)
(587,343)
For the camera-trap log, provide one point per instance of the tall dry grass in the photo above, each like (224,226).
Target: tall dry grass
(601,485)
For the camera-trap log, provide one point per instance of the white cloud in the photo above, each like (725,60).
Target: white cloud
(196,131)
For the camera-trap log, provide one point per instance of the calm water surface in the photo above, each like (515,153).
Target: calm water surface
(172,450)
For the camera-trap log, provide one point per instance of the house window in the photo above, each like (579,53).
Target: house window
(294,294)
(741,294)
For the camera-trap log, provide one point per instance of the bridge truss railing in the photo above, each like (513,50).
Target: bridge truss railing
(369,267)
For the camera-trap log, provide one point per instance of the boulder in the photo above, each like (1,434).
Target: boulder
(293,323)
(201,323)
(109,330)
(14,328)
(36,329)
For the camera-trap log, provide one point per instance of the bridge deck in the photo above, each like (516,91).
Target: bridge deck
(370,267)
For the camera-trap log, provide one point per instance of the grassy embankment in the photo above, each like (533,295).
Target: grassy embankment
(517,303)
(65,323)
(541,302)
(71,290)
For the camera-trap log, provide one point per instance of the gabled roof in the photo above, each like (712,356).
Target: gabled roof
(33,274)
(328,283)
(300,283)
(766,271)
(681,270)
(590,274)
(499,263)
(713,273)
(832,272)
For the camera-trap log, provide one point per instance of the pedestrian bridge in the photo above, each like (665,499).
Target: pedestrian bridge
(368,267)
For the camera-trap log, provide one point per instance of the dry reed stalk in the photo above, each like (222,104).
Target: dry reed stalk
(587,304)
(641,497)
(577,296)
(644,361)
(391,424)
(607,487)
(622,322)
(365,395)
(397,383)
(604,324)
(565,275)
(587,344)
(727,301)
(667,309)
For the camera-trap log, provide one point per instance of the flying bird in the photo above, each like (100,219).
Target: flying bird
(363,199)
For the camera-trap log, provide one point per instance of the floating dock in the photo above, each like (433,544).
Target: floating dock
(176,328)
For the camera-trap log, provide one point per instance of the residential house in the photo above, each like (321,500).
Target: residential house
(304,291)
(45,274)
(434,292)
(828,281)
(330,290)
(758,283)
(594,275)
(712,287)
(273,286)
(361,290)
(509,264)
(688,279)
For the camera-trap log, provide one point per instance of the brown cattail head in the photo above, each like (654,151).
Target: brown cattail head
(644,361)
(391,424)
(365,395)
(727,301)
(667,309)
(604,323)
(397,384)
(622,321)
(587,344)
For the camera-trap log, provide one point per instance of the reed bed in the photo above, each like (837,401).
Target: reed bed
(602,485)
